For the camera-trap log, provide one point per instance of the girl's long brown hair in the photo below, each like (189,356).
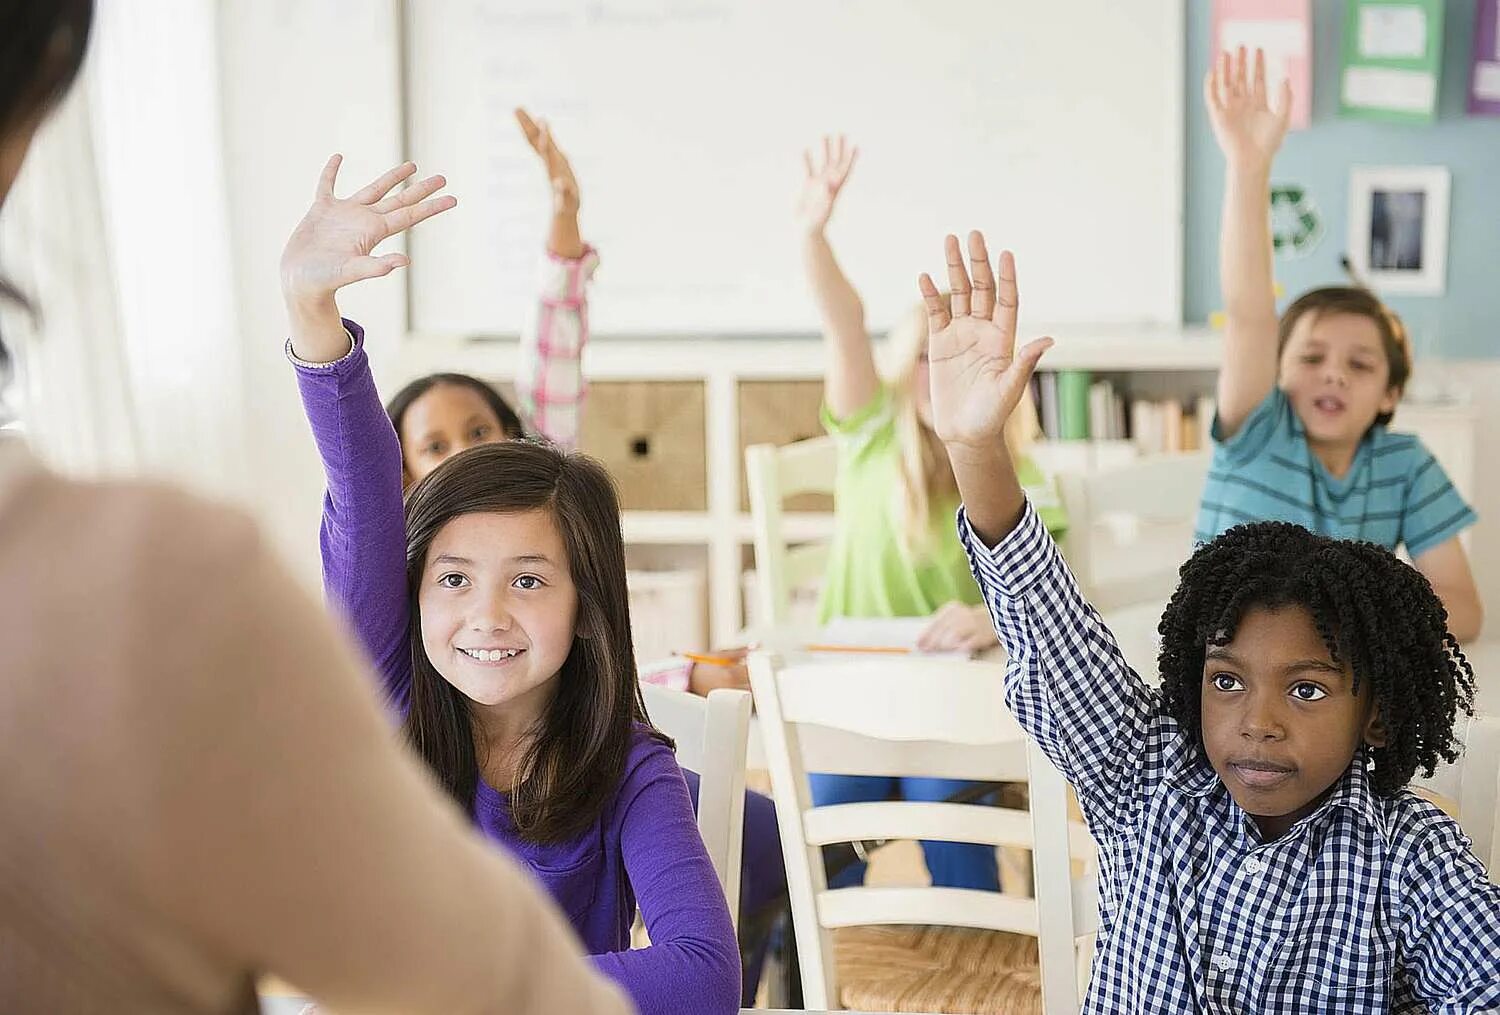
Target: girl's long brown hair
(573,763)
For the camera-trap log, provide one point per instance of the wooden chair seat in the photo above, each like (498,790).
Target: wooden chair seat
(937,969)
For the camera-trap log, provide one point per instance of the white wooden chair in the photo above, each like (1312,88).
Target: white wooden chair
(1473,783)
(939,718)
(1155,501)
(774,474)
(711,735)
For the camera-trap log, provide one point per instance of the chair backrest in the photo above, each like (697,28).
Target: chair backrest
(1155,500)
(711,735)
(774,474)
(1473,783)
(928,717)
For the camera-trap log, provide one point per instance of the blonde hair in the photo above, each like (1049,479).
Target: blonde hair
(926,475)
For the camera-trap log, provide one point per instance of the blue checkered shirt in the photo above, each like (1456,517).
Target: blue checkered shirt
(1369,904)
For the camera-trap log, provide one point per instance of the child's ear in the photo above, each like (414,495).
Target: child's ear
(1375,731)
(1390,401)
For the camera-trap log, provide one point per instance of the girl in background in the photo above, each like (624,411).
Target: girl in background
(894,550)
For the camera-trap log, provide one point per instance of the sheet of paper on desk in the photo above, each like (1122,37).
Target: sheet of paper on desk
(881,633)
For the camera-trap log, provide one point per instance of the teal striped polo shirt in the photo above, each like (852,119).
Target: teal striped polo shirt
(1394,493)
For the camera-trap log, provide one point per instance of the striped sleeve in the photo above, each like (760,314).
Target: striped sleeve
(549,378)
(1256,433)
(1434,511)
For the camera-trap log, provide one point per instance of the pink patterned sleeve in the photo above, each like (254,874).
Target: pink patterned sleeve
(549,377)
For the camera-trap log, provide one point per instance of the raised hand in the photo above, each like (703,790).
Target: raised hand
(1248,128)
(334,243)
(825,178)
(978,375)
(565,199)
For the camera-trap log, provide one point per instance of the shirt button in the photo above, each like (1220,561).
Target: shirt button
(1223,963)
(1253,866)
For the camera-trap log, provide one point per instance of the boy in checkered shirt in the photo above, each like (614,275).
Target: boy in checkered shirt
(1259,850)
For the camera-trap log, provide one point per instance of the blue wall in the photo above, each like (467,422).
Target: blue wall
(1462,323)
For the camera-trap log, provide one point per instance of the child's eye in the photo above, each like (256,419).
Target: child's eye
(1308,692)
(1312,357)
(436,448)
(528,582)
(1363,367)
(1226,682)
(453,580)
(481,432)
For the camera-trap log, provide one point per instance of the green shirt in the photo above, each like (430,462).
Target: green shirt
(870,571)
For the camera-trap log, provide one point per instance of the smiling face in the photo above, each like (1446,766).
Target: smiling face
(441,422)
(1335,373)
(1281,720)
(498,607)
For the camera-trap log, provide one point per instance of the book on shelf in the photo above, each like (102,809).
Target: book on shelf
(1072,406)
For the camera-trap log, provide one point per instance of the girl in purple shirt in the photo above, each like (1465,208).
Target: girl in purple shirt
(494,607)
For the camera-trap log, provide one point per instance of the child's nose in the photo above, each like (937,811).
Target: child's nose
(1261,722)
(492,614)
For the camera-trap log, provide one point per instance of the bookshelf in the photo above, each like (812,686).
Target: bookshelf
(1160,361)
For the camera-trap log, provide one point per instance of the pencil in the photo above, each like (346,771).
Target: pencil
(708,660)
(878,650)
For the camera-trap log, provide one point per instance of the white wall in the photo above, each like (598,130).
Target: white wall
(301,80)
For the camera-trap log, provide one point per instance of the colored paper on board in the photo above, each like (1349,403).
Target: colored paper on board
(1392,57)
(1283,29)
(1484,69)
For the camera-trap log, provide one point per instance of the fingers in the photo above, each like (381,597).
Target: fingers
(845,166)
(528,127)
(938,312)
(1025,362)
(373,192)
(1211,90)
(807,163)
(404,218)
(958,278)
(1007,300)
(361,268)
(408,196)
(327,177)
(1284,102)
(940,633)
(1258,83)
(984,279)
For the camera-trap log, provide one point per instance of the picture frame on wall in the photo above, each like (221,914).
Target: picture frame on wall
(1398,228)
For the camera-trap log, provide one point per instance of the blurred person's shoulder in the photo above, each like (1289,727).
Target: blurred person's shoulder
(122,558)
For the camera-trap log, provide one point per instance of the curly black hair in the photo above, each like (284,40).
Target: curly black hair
(1372,610)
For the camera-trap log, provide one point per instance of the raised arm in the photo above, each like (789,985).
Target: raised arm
(1249,132)
(549,377)
(851,381)
(363,532)
(1066,680)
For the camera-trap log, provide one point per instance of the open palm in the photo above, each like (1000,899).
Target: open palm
(334,243)
(1244,122)
(824,180)
(978,376)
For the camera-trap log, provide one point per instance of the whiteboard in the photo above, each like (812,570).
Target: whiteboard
(1054,127)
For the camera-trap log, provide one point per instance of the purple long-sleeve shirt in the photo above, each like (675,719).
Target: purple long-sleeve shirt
(643,851)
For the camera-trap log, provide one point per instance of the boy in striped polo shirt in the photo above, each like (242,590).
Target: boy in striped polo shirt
(1301,433)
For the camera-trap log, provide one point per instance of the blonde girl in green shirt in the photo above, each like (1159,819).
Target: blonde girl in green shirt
(895,551)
